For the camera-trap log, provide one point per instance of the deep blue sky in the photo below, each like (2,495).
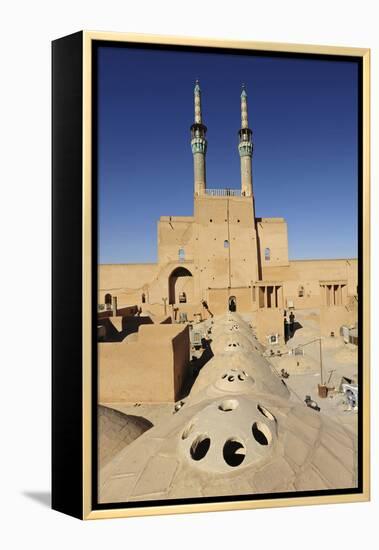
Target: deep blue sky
(303,114)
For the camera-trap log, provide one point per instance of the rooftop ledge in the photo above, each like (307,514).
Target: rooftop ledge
(270,220)
(176,218)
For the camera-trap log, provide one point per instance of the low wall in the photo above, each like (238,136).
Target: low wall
(192,311)
(117,328)
(125,311)
(218,299)
(156,309)
(151,369)
(333,317)
(269,321)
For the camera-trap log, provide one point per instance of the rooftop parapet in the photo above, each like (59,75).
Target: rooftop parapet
(222,192)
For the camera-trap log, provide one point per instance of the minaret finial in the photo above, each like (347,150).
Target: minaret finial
(197,98)
(244,119)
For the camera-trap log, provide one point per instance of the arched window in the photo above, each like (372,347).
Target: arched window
(182,298)
(226,243)
(181,255)
(301,292)
(143,298)
(267,254)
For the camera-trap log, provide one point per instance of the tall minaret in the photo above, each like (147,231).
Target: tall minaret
(198,144)
(245,148)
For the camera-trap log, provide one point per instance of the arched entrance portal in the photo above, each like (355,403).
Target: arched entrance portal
(180,282)
(232,303)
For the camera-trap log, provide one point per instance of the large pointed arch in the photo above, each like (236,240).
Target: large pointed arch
(173,291)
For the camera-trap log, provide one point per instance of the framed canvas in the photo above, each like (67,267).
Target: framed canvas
(210,275)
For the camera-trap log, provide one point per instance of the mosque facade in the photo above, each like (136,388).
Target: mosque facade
(224,258)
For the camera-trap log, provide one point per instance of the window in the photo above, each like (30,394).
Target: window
(181,255)
(301,292)
(226,243)
(143,298)
(267,254)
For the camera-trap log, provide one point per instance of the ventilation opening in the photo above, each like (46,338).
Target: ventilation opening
(265,412)
(241,377)
(230,378)
(233,345)
(200,447)
(234,452)
(261,433)
(228,405)
(187,431)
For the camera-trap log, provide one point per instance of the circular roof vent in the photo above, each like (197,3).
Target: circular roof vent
(248,436)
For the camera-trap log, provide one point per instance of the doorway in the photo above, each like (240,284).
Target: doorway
(232,303)
(179,286)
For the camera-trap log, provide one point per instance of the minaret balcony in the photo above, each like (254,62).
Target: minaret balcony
(198,130)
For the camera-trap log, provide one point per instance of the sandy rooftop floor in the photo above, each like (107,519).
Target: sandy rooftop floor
(339,359)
